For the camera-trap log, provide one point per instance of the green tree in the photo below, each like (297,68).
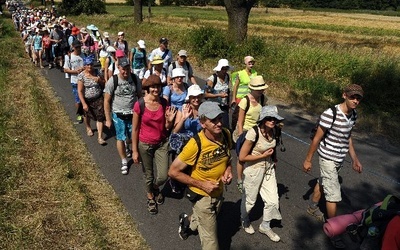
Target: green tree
(88,7)
(238,17)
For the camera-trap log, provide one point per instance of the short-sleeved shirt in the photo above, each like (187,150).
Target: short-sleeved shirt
(252,115)
(259,148)
(187,68)
(220,87)
(175,99)
(73,62)
(211,164)
(162,76)
(138,59)
(336,143)
(152,124)
(125,95)
(93,89)
(192,124)
(167,59)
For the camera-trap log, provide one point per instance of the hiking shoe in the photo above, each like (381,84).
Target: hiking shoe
(159,197)
(271,234)
(316,213)
(124,168)
(184,230)
(79,119)
(152,206)
(337,242)
(128,152)
(247,227)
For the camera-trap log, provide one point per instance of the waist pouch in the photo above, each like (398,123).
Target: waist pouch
(124,116)
(192,196)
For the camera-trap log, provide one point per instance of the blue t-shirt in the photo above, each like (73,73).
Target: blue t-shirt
(138,60)
(37,42)
(175,99)
(192,124)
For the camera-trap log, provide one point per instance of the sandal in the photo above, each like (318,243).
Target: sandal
(101,141)
(316,213)
(159,197)
(152,206)
(89,132)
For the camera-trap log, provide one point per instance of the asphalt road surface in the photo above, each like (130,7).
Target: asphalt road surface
(297,229)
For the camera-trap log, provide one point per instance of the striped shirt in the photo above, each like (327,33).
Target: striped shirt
(336,143)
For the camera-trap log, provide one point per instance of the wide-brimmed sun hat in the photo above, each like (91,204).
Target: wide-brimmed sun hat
(152,80)
(157,60)
(269,111)
(257,83)
(177,72)
(222,63)
(91,27)
(194,90)
(110,49)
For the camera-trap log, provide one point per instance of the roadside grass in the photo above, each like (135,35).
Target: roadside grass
(52,195)
(305,63)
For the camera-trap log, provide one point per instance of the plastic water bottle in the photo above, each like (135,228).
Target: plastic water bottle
(373,231)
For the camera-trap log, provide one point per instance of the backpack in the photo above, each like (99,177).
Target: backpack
(133,77)
(277,135)
(316,125)
(144,55)
(198,143)
(186,63)
(248,102)
(375,220)
(242,138)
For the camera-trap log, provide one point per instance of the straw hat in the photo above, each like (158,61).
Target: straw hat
(257,83)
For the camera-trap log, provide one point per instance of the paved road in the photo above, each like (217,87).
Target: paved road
(297,230)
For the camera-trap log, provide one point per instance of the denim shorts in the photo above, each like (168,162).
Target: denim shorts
(330,179)
(123,128)
(75,92)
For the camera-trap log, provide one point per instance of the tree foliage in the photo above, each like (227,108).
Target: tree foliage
(77,7)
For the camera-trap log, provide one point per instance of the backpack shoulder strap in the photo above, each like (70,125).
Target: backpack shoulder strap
(187,65)
(247,104)
(174,65)
(262,100)
(334,111)
(215,79)
(115,80)
(255,127)
(165,54)
(198,143)
(141,105)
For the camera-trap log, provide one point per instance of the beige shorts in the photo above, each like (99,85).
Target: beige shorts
(330,179)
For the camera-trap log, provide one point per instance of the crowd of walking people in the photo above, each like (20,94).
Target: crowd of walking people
(159,112)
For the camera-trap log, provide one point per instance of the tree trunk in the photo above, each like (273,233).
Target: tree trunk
(137,11)
(238,16)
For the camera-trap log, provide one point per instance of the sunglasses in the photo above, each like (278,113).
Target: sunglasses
(251,62)
(224,68)
(270,119)
(216,119)
(352,97)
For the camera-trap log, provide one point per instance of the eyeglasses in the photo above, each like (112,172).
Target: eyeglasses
(352,97)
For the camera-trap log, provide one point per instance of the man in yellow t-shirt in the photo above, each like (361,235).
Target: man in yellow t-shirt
(210,170)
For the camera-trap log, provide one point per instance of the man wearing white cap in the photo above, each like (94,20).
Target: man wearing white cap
(210,170)
(182,62)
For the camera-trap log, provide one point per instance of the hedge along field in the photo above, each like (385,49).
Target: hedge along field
(307,57)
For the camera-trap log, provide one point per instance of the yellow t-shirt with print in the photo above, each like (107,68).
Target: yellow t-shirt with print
(211,165)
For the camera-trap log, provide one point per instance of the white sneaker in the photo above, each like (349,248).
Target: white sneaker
(271,234)
(124,169)
(247,227)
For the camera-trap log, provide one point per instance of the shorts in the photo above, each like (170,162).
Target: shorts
(123,127)
(330,179)
(75,92)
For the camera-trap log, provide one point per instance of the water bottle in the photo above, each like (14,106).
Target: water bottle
(373,231)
